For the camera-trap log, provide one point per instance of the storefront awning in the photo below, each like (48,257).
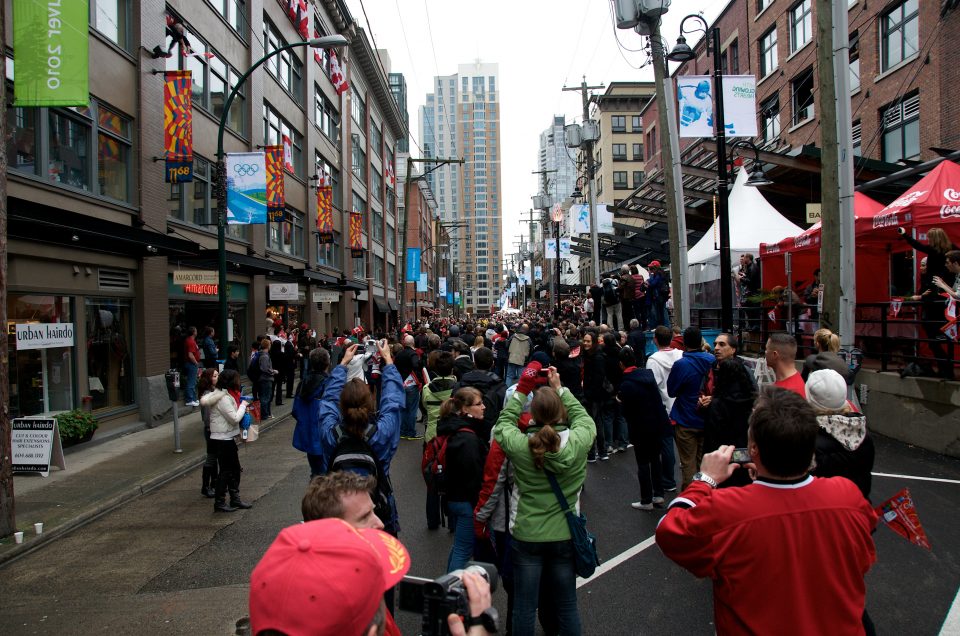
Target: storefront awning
(242,263)
(41,223)
(393,304)
(317,277)
(381,304)
(354,284)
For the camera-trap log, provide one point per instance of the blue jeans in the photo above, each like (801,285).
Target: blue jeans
(408,421)
(621,436)
(668,458)
(190,382)
(460,514)
(553,561)
(266,393)
(513,373)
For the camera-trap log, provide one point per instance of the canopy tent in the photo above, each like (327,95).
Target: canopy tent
(933,201)
(752,221)
(874,246)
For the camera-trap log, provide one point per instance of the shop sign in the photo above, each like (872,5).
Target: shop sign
(325,296)
(195,276)
(38,335)
(813,212)
(36,445)
(284,291)
(203,290)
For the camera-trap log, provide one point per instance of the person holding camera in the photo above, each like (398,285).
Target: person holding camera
(557,441)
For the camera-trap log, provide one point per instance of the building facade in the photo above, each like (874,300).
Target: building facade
(100,242)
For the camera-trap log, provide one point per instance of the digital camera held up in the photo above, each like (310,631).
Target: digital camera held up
(435,599)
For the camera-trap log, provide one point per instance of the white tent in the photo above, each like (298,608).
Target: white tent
(752,221)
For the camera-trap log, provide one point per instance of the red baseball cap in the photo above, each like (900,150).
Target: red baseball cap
(324,577)
(654,264)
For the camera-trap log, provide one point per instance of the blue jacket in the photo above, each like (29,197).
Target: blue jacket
(306,411)
(641,404)
(392,402)
(686,378)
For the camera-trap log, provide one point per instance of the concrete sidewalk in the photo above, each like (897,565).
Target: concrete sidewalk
(102,475)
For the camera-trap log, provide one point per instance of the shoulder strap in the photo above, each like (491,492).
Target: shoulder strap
(556,491)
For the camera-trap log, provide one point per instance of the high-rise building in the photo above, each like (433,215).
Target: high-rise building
(398,86)
(554,155)
(461,119)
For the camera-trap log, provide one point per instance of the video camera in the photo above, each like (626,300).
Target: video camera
(435,599)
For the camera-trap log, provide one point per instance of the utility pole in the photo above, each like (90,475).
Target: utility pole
(529,249)
(8,523)
(406,216)
(672,177)
(594,240)
(546,203)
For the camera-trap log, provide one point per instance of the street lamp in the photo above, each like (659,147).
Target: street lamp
(326,42)
(757,176)
(683,53)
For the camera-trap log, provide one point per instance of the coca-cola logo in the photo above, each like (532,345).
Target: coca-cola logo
(801,241)
(951,195)
(907,199)
(885,220)
(771,249)
(949,211)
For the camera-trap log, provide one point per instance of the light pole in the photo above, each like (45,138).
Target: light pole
(328,42)
(557,214)
(683,53)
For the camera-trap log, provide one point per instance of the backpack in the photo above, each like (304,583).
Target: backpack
(610,296)
(435,459)
(253,369)
(356,455)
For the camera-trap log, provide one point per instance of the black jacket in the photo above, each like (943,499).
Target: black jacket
(466,456)
(407,362)
(642,406)
(494,391)
(462,364)
(845,449)
(612,364)
(571,374)
(637,339)
(594,371)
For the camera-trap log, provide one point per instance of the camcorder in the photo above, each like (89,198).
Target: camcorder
(435,599)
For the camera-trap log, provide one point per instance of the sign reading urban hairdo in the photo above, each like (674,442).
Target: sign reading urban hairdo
(51,38)
(695,96)
(35,442)
(325,296)
(40,335)
(284,291)
(246,188)
(195,277)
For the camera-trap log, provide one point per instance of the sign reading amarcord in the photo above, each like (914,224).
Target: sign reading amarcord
(39,335)
(195,277)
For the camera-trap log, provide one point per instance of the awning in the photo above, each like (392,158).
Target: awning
(349,284)
(242,263)
(317,277)
(41,223)
(393,304)
(381,304)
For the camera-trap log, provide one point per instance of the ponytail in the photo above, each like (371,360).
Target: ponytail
(458,400)
(356,407)
(546,440)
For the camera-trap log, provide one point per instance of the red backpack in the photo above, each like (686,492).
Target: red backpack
(435,459)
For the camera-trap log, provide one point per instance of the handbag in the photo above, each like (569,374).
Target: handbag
(585,554)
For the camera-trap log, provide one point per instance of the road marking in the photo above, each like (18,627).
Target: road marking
(951,624)
(945,481)
(617,560)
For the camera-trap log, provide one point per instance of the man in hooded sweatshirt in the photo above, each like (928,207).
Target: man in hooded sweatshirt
(686,378)
(518,353)
(661,363)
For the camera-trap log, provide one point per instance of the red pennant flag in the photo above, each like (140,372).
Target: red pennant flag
(900,515)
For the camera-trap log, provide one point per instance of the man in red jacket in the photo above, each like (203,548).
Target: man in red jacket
(788,553)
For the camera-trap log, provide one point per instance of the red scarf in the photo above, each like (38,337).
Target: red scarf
(235,394)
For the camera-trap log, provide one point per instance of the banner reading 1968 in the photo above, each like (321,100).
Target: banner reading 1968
(50,38)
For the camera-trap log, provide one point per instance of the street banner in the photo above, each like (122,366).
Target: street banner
(422,283)
(442,286)
(449,298)
(178,126)
(900,515)
(246,188)
(564,247)
(276,203)
(413,264)
(695,96)
(580,218)
(740,105)
(356,235)
(51,40)
(550,248)
(325,209)
(538,273)
(604,219)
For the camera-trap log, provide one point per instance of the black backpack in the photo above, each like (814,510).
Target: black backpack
(253,369)
(610,296)
(355,454)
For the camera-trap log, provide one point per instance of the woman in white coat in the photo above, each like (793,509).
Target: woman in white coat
(226,411)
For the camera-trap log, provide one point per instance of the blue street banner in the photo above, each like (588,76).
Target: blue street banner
(246,188)
(449,298)
(413,264)
(422,283)
(51,40)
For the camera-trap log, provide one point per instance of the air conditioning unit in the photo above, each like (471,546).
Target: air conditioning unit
(573,135)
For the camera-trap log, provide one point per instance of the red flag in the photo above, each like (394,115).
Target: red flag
(336,75)
(900,515)
(391,176)
(288,154)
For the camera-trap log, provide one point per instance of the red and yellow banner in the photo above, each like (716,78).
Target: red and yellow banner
(276,202)
(325,210)
(356,235)
(178,126)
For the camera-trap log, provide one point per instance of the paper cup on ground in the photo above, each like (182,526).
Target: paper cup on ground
(18,537)
(38,527)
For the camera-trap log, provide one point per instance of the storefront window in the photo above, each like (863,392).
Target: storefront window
(41,377)
(109,363)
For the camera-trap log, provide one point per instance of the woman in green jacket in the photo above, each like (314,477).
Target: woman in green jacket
(558,439)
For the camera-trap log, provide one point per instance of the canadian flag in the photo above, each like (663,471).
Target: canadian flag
(336,75)
(299,13)
(288,154)
(391,176)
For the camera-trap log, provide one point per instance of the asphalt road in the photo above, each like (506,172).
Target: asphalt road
(165,564)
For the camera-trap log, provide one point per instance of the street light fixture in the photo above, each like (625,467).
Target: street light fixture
(757,176)
(329,42)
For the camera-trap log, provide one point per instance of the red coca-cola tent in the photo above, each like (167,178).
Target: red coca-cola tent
(873,247)
(933,201)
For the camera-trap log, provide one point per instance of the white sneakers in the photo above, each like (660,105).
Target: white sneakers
(194,403)
(658,502)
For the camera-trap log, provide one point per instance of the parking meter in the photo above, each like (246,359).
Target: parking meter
(172,376)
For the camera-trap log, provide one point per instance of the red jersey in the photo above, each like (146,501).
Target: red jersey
(793,383)
(785,558)
(190,346)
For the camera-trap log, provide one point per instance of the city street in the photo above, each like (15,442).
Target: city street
(165,564)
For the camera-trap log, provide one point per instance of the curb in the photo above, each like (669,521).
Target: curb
(87,516)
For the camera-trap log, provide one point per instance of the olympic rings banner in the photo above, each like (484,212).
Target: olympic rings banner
(178,126)
(246,188)
(276,204)
(325,210)
(356,235)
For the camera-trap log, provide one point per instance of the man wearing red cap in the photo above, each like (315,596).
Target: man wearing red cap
(657,296)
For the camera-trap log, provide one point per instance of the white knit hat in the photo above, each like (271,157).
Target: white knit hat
(826,390)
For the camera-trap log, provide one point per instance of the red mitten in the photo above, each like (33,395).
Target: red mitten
(481,530)
(530,377)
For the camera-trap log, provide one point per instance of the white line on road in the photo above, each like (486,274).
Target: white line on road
(945,481)
(617,560)
(951,625)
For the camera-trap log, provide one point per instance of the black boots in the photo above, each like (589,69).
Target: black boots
(229,482)
(209,479)
(220,505)
(238,503)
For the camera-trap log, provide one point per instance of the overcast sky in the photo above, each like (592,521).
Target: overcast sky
(540,46)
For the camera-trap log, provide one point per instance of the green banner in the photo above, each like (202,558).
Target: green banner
(50,42)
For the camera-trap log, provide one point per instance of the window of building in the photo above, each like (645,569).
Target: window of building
(770,117)
(636,124)
(899,34)
(733,52)
(378,269)
(854,61)
(901,129)
(376,224)
(619,152)
(637,178)
(111,18)
(321,56)
(330,254)
(856,133)
(392,275)
(358,110)
(619,179)
(287,237)
(376,140)
(768,52)
(391,238)
(194,202)
(277,131)
(376,185)
(326,116)
(41,380)
(802,90)
(109,324)
(234,12)
(600,184)
(358,159)
(360,267)
(637,152)
(286,67)
(618,123)
(763,4)
(801,25)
